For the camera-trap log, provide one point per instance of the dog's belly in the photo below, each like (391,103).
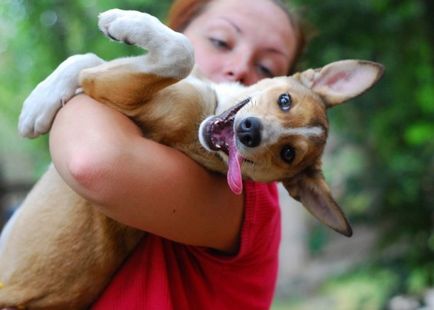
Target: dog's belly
(60,251)
(173,117)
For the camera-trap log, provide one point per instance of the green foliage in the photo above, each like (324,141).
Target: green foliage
(364,289)
(419,280)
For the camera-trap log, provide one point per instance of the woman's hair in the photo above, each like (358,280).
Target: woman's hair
(182,12)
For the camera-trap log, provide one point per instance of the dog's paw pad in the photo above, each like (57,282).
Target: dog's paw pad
(108,34)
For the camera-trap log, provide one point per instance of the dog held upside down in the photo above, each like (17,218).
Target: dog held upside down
(275,130)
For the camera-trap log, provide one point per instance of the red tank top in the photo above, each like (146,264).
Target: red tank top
(164,275)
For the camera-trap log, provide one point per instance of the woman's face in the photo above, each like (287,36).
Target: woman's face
(242,41)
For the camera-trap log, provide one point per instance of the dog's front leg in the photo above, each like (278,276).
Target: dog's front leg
(47,98)
(127,83)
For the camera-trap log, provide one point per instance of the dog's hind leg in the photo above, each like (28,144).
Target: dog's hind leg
(47,98)
(170,53)
(129,82)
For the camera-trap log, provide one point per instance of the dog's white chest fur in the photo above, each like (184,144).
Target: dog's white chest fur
(228,94)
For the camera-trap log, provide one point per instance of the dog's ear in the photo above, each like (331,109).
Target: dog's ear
(342,80)
(312,191)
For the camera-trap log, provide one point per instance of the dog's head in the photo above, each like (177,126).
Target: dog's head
(279,131)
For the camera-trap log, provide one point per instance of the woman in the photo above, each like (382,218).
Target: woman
(206,248)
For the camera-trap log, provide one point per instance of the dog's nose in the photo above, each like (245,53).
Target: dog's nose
(249,132)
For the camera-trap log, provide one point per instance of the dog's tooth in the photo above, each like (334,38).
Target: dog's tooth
(219,123)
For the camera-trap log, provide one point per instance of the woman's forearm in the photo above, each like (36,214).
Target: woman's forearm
(102,155)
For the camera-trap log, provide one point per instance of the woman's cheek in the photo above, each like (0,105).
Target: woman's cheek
(208,65)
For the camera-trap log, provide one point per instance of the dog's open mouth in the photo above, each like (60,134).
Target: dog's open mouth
(219,135)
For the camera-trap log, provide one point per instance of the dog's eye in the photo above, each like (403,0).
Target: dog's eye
(287,154)
(285,102)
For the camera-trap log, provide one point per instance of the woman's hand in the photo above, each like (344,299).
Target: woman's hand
(103,156)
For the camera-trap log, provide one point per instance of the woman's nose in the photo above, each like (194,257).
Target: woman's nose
(239,73)
(239,70)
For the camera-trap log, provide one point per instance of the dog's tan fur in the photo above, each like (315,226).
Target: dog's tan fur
(82,245)
(61,252)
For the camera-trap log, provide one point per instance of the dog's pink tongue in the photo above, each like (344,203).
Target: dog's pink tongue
(235,180)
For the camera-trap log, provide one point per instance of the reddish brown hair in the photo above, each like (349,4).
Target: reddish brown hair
(182,12)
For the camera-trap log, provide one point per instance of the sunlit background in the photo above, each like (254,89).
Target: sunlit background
(379,161)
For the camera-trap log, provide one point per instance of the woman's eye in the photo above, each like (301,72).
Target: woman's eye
(285,102)
(220,44)
(287,154)
(265,71)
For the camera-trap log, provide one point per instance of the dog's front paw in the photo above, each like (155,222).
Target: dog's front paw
(41,106)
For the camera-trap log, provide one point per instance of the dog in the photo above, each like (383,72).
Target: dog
(58,252)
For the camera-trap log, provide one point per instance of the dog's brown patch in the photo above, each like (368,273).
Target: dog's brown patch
(122,89)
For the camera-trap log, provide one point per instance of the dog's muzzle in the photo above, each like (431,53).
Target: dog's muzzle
(218,131)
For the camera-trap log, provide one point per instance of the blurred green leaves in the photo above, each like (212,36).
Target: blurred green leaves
(419,134)
(365,289)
